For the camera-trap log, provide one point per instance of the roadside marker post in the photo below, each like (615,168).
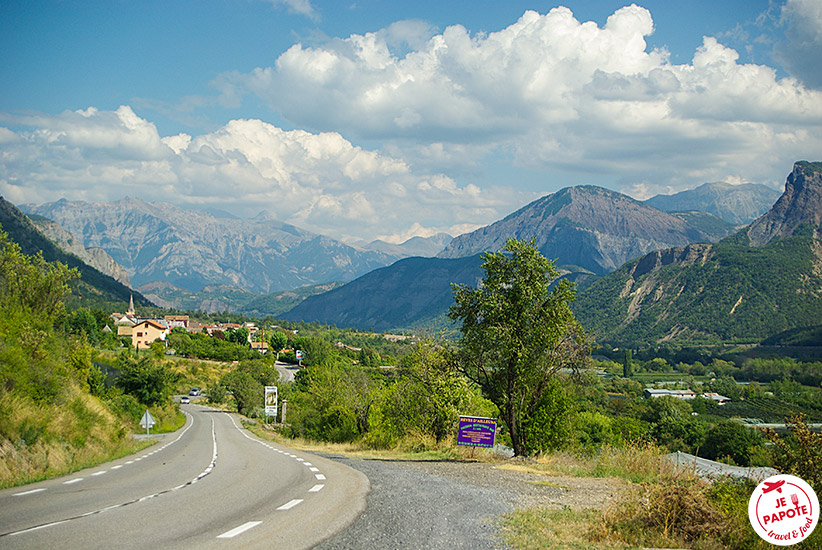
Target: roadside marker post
(147,422)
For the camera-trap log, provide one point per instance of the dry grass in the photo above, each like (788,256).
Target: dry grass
(46,440)
(413,447)
(660,506)
(552,529)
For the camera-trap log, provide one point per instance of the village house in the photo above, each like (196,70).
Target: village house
(173,321)
(262,347)
(146,332)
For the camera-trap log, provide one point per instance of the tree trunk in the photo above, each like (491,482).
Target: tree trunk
(513,429)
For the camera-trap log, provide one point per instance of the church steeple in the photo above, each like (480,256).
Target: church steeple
(130,305)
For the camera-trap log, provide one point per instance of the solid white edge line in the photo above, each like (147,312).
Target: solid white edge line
(291,504)
(237,530)
(30,529)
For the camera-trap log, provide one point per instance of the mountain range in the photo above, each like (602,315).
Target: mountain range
(214,262)
(765,279)
(589,230)
(160,242)
(754,283)
(736,204)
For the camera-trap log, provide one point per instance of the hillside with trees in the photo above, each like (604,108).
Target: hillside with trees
(764,280)
(91,289)
(53,418)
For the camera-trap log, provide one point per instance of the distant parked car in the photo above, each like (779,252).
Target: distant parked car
(195,392)
(185,400)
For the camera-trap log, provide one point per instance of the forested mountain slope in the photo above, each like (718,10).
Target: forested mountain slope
(93,289)
(763,280)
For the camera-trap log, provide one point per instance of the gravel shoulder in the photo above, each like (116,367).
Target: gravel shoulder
(431,505)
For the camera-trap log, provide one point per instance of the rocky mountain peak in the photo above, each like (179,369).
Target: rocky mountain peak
(584,226)
(801,203)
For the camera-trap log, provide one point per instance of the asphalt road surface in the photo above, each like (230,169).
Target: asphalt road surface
(286,371)
(211,484)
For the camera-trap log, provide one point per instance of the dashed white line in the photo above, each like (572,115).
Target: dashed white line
(290,504)
(320,477)
(316,488)
(75,480)
(98,473)
(24,493)
(148,497)
(237,530)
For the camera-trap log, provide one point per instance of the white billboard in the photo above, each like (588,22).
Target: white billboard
(271,401)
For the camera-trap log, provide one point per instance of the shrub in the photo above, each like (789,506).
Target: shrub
(731,439)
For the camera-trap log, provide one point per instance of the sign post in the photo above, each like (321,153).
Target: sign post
(477,431)
(271,402)
(147,422)
(299,355)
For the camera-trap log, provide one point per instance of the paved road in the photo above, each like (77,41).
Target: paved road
(210,485)
(286,370)
(414,509)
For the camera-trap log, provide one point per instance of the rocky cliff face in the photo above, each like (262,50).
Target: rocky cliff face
(190,249)
(799,205)
(590,227)
(95,257)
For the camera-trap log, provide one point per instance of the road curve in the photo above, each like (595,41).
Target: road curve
(212,484)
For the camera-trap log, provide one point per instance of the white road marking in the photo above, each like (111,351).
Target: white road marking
(291,504)
(75,480)
(98,473)
(320,477)
(237,530)
(117,467)
(143,499)
(316,488)
(30,529)
(24,493)
(314,469)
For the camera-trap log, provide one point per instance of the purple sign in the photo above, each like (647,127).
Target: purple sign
(476,431)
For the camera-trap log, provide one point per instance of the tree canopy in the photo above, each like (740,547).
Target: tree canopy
(518,332)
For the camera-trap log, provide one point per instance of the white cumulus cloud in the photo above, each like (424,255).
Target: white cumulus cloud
(319,181)
(561,94)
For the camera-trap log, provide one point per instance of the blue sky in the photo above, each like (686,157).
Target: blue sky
(386,119)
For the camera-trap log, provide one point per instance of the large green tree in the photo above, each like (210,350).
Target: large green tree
(518,332)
